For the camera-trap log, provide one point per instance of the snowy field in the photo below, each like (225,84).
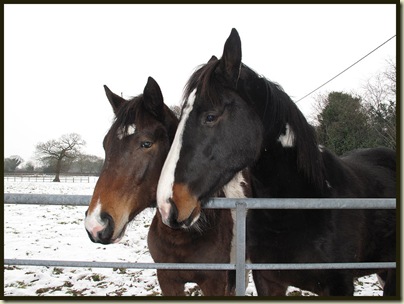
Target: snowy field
(57,233)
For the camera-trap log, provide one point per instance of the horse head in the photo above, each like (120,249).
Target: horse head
(219,134)
(136,146)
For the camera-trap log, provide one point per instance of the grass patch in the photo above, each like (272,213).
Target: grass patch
(119,292)
(41,291)
(76,293)
(11,267)
(18,284)
(57,271)
(96,277)
(120,270)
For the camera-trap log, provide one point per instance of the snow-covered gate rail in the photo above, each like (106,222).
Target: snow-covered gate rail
(241,206)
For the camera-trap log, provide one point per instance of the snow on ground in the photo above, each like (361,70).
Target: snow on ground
(57,233)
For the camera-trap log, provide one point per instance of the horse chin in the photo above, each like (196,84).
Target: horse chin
(120,236)
(194,217)
(117,240)
(189,222)
(173,223)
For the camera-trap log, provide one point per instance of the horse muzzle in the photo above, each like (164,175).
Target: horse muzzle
(101,231)
(172,219)
(181,210)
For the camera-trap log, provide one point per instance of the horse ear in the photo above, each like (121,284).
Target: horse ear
(231,58)
(153,98)
(213,58)
(115,100)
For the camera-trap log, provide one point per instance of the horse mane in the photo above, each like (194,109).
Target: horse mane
(274,107)
(284,110)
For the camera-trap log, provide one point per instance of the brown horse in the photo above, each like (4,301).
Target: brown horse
(209,240)
(136,147)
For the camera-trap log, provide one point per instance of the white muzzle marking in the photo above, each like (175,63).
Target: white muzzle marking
(93,222)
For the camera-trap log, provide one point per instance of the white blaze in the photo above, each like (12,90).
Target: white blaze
(166,181)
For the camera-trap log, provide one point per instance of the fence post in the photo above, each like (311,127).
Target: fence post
(241,208)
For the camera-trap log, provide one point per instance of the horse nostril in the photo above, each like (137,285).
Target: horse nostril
(105,217)
(105,235)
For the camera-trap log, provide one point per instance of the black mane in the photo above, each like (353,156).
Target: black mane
(309,158)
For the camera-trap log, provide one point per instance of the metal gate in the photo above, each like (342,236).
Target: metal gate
(241,206)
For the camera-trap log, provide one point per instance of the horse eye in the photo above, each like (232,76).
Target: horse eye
(210,118)
(146,144)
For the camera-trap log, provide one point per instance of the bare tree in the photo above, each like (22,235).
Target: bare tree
(11,163)
(54,151)
(380,101)
(89,164)
(390,75)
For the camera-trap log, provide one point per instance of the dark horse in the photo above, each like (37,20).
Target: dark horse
(234,118)
(135,149)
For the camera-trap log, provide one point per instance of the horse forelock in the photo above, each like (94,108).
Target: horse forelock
(133,114)
(127,114)
(203,81)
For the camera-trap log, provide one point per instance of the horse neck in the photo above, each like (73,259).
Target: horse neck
(298,160)
(239,186)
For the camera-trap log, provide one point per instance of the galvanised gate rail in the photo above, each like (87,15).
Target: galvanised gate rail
(241,206)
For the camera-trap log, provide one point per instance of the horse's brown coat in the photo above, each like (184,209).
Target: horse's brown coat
(184,201)
(212,245)
(127,185)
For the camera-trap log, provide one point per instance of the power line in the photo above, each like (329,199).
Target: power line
(347,68)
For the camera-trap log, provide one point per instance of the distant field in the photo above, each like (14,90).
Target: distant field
(49,178)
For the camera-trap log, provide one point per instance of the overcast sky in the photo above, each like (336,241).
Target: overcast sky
(58,57)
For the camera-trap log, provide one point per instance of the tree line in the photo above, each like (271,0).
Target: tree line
(63,155)
(343,121)
(348,121)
